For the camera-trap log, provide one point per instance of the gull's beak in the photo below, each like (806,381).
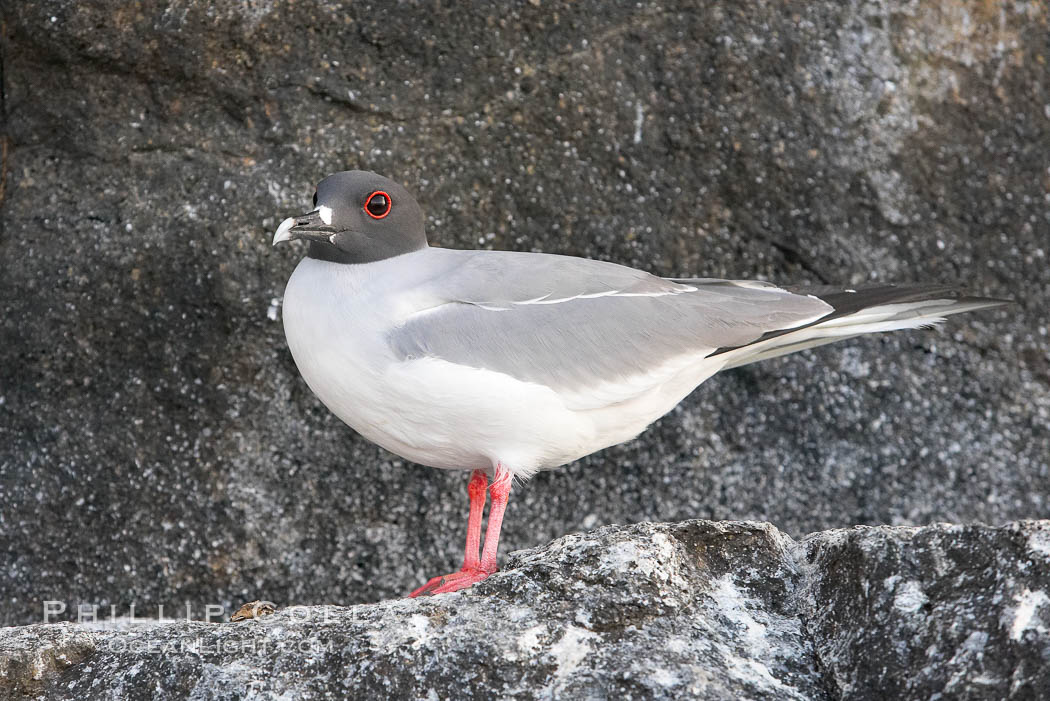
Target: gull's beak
(311,226)
(283,232)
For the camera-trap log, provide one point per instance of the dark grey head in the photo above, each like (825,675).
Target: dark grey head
(358,217)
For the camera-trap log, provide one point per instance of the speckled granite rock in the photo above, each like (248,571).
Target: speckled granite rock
(943,612)
(667,611)
(156,443)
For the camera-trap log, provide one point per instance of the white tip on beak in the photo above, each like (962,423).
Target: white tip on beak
(282,231)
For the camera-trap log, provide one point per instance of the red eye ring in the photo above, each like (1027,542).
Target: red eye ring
(383,212)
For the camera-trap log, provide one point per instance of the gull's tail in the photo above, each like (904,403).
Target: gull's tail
(861,311)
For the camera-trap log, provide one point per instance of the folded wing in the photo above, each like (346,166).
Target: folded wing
(572,323)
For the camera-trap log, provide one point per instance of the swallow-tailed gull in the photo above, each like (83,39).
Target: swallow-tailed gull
(507,363)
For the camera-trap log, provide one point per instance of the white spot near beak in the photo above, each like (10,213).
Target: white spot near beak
(282,231)
(274,309)
(326,214)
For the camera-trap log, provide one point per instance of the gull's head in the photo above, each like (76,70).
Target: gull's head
(358,217)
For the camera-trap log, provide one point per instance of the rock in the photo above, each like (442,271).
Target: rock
(157,446)
(943,612)
(697,609)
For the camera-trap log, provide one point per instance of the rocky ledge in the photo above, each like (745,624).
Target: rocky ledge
(698,609)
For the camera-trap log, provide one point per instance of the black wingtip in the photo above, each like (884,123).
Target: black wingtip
(848,301)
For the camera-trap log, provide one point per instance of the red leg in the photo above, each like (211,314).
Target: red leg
(474,571)
(479,484)
(476,491)
(500,492)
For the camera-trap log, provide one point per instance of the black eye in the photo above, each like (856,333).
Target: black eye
(315,199)
(378,204)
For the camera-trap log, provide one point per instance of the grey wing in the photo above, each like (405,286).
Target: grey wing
(569,323)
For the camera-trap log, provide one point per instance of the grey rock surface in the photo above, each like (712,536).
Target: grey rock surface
(156,443)
(697,609)
(943,612)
